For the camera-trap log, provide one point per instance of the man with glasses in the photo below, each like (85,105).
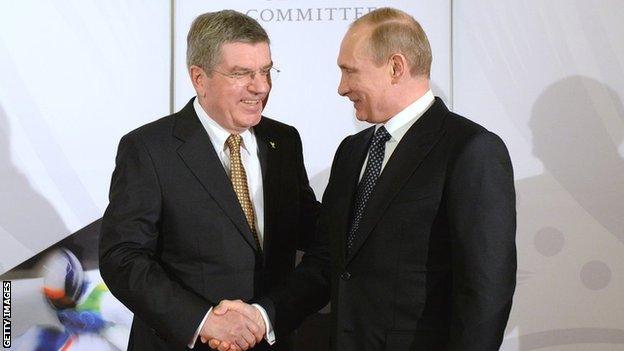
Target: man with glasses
(209,203)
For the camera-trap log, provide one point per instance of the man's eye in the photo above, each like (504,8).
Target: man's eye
(240,74)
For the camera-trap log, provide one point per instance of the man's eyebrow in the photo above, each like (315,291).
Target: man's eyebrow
(240,68)
(346,67)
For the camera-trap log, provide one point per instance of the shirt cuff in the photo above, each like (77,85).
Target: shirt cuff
(270,333)
(201,325)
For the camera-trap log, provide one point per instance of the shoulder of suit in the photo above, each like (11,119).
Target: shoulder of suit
(272,123)
(461,125)
(277,128)
(155,129)
(464,131)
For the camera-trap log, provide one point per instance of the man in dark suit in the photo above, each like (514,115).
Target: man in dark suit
(209,203)
(419,211)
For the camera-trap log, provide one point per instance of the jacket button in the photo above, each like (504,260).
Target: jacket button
(345,276)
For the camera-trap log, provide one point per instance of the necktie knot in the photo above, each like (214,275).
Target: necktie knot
(381,135)
(234,141)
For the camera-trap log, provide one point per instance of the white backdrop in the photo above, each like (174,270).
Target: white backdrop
(548,77)
(74,77)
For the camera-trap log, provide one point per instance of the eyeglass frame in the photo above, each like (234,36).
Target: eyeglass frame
(245,76)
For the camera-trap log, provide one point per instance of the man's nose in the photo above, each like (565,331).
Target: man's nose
(343,88)
(260,84)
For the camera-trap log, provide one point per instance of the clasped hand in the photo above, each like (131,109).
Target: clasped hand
(233,326)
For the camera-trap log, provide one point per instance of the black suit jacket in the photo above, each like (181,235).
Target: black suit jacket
(433,265)
(174,238)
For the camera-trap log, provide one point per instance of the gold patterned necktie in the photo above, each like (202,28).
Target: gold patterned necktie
(239,182)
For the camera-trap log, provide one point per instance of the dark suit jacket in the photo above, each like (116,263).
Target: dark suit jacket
(174,239)
(433,266)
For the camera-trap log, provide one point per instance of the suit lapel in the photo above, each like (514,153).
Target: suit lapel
(271,156)
(408,155)
(355,153)
(201,158)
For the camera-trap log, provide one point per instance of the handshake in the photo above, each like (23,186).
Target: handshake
(233,326)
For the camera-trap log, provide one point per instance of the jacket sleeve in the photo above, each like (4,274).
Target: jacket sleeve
(307,290)
(129,249)
(309,207)
(482,218)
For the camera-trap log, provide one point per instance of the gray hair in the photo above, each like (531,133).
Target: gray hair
(212,29)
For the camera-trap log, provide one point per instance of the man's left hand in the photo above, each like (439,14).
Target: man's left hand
(243,308)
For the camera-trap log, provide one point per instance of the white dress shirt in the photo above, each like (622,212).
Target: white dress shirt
(400,123)
(251,162)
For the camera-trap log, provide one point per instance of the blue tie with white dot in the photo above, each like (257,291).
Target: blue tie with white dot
(368,181)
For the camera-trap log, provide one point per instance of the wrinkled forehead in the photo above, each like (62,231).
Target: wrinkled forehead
(244,53)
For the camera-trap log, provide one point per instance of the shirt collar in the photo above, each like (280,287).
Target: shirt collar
(218,135)
(398,125)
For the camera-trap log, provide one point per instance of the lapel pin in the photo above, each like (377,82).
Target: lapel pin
(272,143)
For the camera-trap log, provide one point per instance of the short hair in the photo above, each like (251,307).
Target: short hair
(394,31)
(212,29)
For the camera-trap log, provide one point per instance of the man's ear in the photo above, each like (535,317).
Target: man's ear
(198,78)
(398,67)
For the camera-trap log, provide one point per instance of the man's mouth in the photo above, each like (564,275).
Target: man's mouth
(251,102)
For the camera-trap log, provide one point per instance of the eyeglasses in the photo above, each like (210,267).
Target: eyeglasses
(245,77)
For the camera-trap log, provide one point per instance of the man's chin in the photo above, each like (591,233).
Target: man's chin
(252,121)
(361,117)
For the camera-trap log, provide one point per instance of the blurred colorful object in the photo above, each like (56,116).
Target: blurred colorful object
(63,279)
(90,317)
